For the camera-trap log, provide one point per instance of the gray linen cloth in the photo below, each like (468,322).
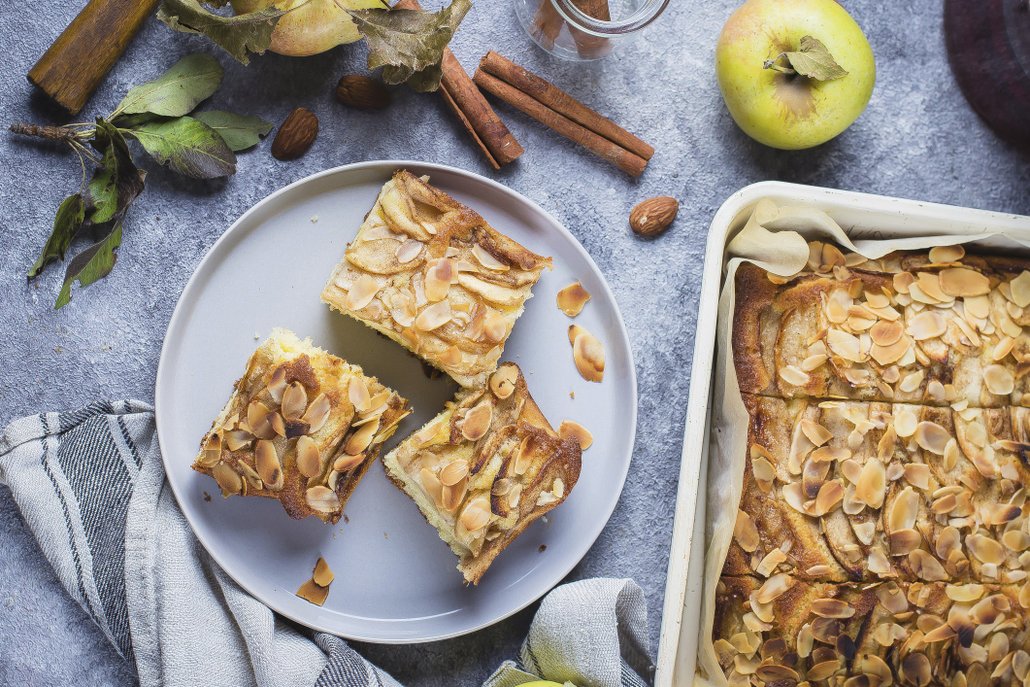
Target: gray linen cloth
(90,485)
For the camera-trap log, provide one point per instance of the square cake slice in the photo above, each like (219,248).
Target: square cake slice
(433,276)
(301,426)
(485,468)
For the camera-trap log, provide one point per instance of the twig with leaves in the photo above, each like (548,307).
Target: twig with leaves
(407,44)
(154,114)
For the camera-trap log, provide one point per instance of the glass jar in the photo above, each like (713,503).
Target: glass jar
(583,30)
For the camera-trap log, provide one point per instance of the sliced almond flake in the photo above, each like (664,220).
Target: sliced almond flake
(770,562)
(903,511)
(891,353)
(877,562)
(911,382)
(745,533)
(828,454)
(1003,348)
(999,380)
(860,324)
(408,251)
(905,422)
(945,254)
(845,345)
(794,376)
(836,306)
(888,313)
(918,475)
(864,531)
(773,588)
(813,362)
(830,495)
(902,280)
(434,316)
(851,469)
(1019,288)
(877,300)
(832,608)
(985,549)
(362,292)
(885,333)
(871,485)
(926,567)
(487,259)
(932,437)
(1010,328)
(927,325)
(572,299)
(961,281)
(970,335)
(815,432)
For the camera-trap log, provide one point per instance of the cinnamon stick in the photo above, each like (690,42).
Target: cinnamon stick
(72,68)
(561,102)
(587,45)
(487,130)
(547,24)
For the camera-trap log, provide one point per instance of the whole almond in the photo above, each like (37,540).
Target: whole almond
(361,92)
(654,215)
(295,135)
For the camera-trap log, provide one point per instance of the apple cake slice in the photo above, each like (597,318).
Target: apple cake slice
(301,426)
(485,468)
(432,275)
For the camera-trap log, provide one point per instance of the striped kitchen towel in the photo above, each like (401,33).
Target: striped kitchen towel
(90,485)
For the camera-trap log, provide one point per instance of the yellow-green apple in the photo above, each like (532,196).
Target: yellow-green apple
(310,26)
(763,54)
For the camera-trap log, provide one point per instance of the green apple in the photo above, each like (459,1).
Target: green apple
(771,101)
(310,26)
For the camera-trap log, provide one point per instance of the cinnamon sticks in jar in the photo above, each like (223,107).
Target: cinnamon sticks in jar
(556,109)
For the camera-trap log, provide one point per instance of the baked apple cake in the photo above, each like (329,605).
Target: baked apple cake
(301,426)
(432,275)
(485,468)
(882,534)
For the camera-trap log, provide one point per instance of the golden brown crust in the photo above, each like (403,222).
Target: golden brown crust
(514,468)
(434,276)
(292,392)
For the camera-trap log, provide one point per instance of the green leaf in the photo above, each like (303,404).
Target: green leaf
(812,60)
(239,35)
(238,131)
(188,146)
(409,44)
(91,264)
(176,92)
(117,181)
(67,222)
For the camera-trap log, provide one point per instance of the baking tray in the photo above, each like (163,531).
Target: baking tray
(862,216)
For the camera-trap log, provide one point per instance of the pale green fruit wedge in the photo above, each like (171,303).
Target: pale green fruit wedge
(311,26)
(789,111)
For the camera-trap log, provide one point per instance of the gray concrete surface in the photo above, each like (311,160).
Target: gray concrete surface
(917,139)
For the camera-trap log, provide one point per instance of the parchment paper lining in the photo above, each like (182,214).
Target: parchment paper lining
(774,238)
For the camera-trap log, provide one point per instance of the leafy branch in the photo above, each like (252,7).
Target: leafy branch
(154,114)
(407,44)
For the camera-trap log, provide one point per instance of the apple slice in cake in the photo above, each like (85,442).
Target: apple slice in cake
(485,468)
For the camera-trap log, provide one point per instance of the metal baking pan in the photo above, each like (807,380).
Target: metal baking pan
(862,216)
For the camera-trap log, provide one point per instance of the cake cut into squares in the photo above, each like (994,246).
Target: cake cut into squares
(902,328)
(786,631)
(851,491)
(301,426)
(432,275)
(485,468)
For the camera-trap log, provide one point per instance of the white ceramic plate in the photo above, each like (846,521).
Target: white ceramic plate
(396,581)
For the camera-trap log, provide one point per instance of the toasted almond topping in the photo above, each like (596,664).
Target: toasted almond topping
(918,475)
(431,485)
(794,376)
(317,413)
(832,608)
(361,292)
(345,463)
(886,333)
(452,496)
(813,362)
(588,354)
(904,542)
(322,575)
(903,511)
(945,254)
(357,392)
(745,533)
(928,324)
(932,437)
(845,345)
(829,496)
(269,469)
(408,251)
(495,293)
(237,439)
(1019,288)
(476,422)
(926,567)
(439,275)
(322,499)
(476,514)
(911,382)
(905,421)
(309,462)
(312,592)
(1003,348)
(454,472)
(228,479)
(577,432)
(572,299)
(295,401)
(277,384)
(361,438)
(495,325)
(815,432)
(999,380)
(930,285)
(872,484)
(964,593)
(985,549)
(212,452)
(773,588)
(502,382)
(434,316)
(960,281)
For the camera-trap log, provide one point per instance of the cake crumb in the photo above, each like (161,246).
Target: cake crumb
(543,547)
(314,219)
(572,395)
(207,496)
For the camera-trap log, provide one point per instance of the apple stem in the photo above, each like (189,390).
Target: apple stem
(772,64)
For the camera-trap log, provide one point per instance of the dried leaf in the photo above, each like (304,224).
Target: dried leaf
(117,181)
(187,146)
(91,264)
(409,44)
(239,35)
(67,222)
(176,92)
(238,131)
(812,60)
